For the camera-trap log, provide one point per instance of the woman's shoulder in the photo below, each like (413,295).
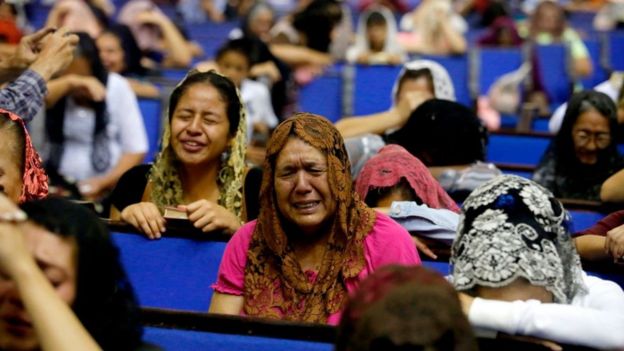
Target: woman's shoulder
(388,242)
(386,231)
(130,187)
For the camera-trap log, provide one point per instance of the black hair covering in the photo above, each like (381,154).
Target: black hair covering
(132,52)
(443,133)
(55,115)
(105,301)
(317,21)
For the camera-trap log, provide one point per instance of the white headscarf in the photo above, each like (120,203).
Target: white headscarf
(442,84)
(391,45)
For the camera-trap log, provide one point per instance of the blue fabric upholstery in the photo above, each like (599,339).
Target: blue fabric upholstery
(323,95)
(599,74)
(184,340)
(151,111)
(527,150)
(171,273)
(491,63)
(372,90)
(615,46)
(553,69)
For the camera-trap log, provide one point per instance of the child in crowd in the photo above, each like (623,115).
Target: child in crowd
(234,61)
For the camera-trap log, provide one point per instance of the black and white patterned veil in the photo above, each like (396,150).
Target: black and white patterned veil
(511,227)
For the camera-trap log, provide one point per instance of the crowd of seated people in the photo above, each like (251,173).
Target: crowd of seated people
(310,238)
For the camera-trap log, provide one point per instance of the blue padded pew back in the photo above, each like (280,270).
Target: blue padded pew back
(489,64)
(183,340)
(151,111)
(553,68)
(372,88)
(518,149)
(323,95)
(614,47)
(582,219)
(599,74)
(174,273)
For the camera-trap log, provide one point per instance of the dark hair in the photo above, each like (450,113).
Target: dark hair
(404,308)
(375,19)
(443,133)
(18,147)
(242,46)
(579,103)
(317,21)
(105,301)
(55,116)
(403,187)
(224,86)
(413,74)
(131,50)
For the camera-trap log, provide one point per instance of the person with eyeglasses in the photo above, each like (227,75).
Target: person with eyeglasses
(582,162)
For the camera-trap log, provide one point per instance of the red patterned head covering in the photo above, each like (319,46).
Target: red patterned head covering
(393,163)
(35,178)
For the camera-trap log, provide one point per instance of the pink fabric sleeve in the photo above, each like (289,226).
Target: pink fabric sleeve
(389,243)
(231,276)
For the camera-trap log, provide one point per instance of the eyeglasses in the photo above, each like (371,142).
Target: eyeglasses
(583,137)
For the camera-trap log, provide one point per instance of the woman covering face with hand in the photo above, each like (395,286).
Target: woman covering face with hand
(314,239)
(61,284)
(516,264)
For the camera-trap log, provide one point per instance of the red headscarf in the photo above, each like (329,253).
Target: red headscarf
(393,163)
(35,178)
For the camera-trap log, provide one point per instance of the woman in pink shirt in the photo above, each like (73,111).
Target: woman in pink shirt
(314,239)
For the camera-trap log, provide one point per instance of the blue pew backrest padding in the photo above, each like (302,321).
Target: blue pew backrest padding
(553,69)
(492,63)
(584,219)
(151,112)
(171,273)
(183,340)
(323,96)
(520,149)
(372,88)
(441,267)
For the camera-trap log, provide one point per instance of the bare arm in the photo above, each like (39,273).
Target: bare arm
(143,89)
(295,55)
(378,123)
(57,327)
(94,187)
(591,247)
(226,304)
(456,41)
(60,87)
(582,66)
(612,189)
(177,49)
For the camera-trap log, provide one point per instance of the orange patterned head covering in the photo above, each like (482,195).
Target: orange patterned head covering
(275,284)
(35,178)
